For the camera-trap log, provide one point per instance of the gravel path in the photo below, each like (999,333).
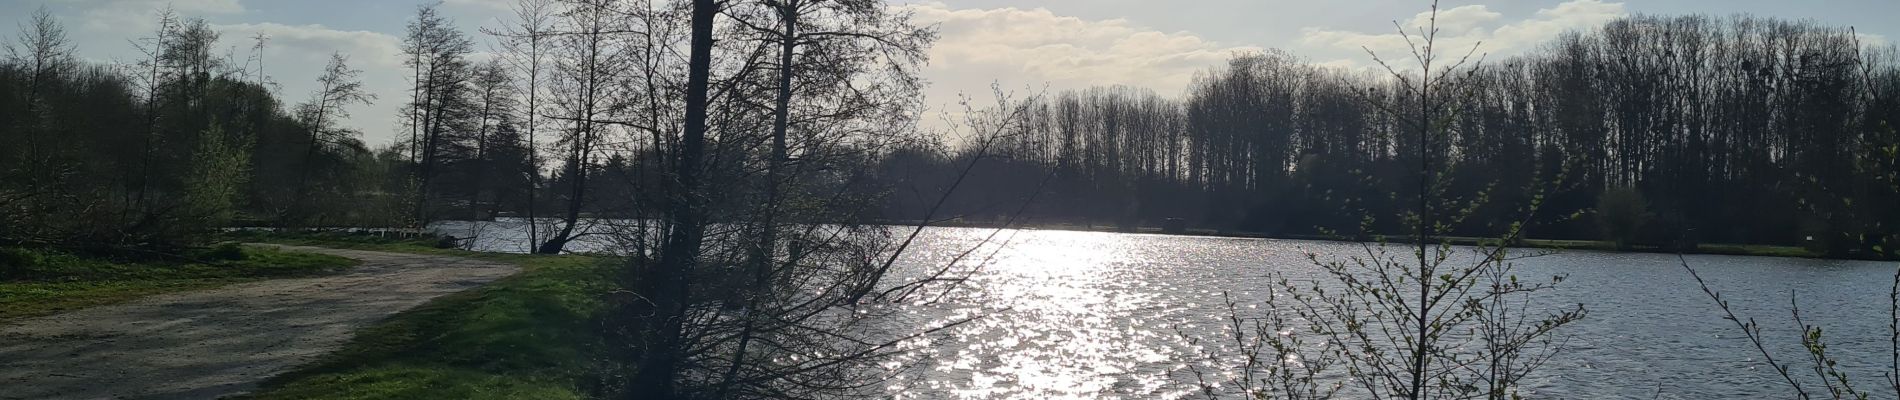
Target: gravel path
(220,342)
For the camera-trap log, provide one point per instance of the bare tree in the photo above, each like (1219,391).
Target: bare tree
(844,60)
(42,47)
(44,51)
(157,74)
(525,43)
(589,63)
(337,89)
(496,103)
(667,285)
(437,53)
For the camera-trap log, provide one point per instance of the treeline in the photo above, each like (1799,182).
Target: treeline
(575,118)
(155,152)
(158,152)
(1734,130)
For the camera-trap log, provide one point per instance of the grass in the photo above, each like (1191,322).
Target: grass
(35,282)
(1758,250)
(533,335)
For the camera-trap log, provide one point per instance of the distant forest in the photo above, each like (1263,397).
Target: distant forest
(1730,130)
(153,152)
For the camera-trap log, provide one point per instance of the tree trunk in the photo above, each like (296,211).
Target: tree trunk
(431,137)
(667,286)
(534,168)
(761,258)
(576,189)
(309,154)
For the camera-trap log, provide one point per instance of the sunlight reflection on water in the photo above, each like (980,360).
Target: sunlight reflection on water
(1068,320)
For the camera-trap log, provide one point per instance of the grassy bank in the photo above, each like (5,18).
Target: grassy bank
(529,336)
(35,282)
(1758,250)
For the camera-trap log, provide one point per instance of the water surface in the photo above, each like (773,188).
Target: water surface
(1087,315)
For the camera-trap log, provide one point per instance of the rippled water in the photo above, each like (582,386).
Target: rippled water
(1088,315)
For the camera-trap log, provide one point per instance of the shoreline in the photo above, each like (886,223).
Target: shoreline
(1727,249)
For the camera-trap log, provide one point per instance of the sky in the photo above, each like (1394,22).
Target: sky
(1022,46)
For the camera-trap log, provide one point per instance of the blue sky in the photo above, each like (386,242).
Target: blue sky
(1057,44)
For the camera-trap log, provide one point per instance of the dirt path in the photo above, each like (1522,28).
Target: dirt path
(219,342)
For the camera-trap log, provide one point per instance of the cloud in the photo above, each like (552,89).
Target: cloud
(296,55)
(141,15)
(1457,19)
(316,42)
(1036,46)
(482,5)
(1550,22)
(1472,25)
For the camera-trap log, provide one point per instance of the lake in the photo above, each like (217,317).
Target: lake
(1087,315)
